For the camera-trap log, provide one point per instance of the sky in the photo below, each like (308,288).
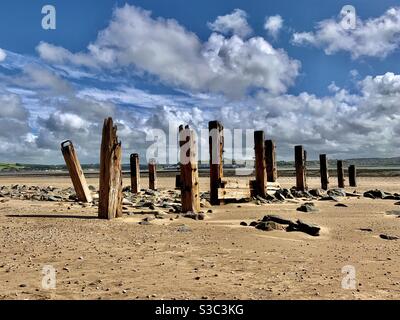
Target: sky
(290,68)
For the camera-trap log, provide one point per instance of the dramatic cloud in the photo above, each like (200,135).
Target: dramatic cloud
(234,23)
(377,37)
(273,25)
(164,48)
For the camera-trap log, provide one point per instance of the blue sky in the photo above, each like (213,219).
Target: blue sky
(56,87)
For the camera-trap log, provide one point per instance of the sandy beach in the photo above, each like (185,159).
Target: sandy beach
(216,258)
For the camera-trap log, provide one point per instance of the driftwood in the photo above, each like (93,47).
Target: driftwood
(75,171)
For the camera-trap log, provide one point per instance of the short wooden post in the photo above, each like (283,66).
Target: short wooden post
(260,165)
(270,159)
(352,176)
(189,171)
(135,173)
(216,145)
(323,166)
(110,197)
(300,164)
(75,171)
(340,174)
(152,174)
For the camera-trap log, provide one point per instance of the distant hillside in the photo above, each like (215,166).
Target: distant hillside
(359,162)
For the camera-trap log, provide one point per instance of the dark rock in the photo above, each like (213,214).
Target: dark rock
(276,219)
(268,226)
(329,198)
(387,237)
(253,223)
(243,224)
(279,196)
(317,192)
(194,216)
(366,229)
(307,207)
(341,205)
(311,229)
(354,194)
(393,213)
(397,203)
(336,192)
(376,194)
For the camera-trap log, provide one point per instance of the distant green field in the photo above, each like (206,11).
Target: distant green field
(10,166)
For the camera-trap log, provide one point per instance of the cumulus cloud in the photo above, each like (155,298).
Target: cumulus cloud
(234,23)
(375,37)
(11,108)
(162,47)
(3,55)
(273,25)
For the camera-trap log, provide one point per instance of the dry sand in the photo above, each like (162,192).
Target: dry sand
(219,259)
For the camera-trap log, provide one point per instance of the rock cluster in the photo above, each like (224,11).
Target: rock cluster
(274,222)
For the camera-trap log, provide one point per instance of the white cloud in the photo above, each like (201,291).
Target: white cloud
(11,107)
(234,23)
(273,25)
(3,55)
(375,37)
(164,48)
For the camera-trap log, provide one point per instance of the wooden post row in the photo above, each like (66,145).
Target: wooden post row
(352,176)
(300,164)
(135,173)
(323,165)
(216,149)
(152,174)
(340,174)
(75,171)
(189,178)
(270,158)
(110,197)
(260,165)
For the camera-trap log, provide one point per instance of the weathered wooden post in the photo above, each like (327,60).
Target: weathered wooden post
(260,165)
(75,171)
(323,166)
(178,184)
(216,145)
(352,176)
(190,198)
(152,174)
(270,159)
(340,174)
(300,164)
(110,197)
(135,173)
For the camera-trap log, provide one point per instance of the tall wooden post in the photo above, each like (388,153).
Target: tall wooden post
(110,197)
(135,173)
(352,176)
(323,166)
(216,145)
(75,171)
(190,198)
(152,174)
(260,165)
(300,164)
(270,159)
(340,174)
